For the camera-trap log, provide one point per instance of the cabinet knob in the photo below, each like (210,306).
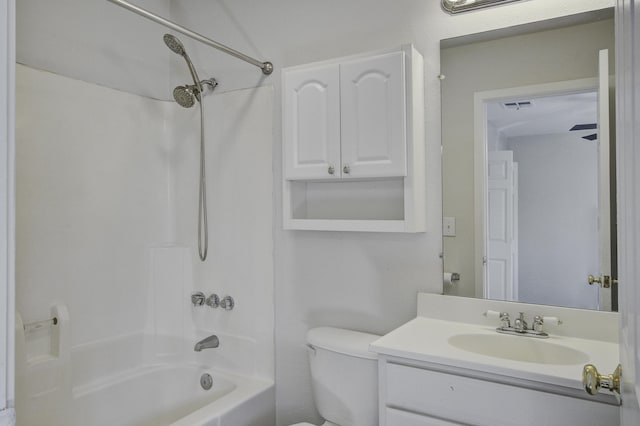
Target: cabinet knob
(346,169)
(331,170)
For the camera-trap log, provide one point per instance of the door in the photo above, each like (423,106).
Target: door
(311,123)
(604,174)
(501,218)
(628,184)
(373,107)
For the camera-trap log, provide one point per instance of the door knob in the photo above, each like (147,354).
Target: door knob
(605,281)
(593,381)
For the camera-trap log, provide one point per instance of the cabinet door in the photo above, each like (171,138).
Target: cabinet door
(311,123)
(373,113)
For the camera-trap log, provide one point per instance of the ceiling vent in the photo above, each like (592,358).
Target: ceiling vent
(516,105)
(590,126)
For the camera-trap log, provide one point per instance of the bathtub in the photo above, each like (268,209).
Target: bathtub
(172,395)
(141,380)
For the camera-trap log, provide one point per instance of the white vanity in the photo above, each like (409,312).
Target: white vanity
(449,366)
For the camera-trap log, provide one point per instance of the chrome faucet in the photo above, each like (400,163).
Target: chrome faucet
(207,343)
(520,326)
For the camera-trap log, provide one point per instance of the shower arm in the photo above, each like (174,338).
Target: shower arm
(266,67)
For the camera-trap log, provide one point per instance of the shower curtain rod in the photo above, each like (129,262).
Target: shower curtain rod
(266,67)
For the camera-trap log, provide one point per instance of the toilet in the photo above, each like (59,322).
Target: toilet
(344,376)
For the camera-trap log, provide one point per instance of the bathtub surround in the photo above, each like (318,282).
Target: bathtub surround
(113,194)
(360,281)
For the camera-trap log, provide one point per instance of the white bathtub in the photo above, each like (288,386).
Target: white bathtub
(116,382)
(172,395)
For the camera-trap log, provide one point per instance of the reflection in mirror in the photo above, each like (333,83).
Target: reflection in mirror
(522,198)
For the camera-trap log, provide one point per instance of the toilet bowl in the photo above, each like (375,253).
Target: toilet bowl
(344,376)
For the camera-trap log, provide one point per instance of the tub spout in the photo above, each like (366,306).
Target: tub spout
(207,343)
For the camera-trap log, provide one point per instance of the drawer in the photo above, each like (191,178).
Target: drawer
(405,418)
(478,402)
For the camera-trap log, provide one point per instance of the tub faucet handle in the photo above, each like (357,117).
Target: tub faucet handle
(227,303)
(197,298)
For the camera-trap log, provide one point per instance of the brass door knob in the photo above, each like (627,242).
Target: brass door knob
(593,381)
(605,281)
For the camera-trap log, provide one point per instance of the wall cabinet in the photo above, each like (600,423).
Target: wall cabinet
(353,143)
(412,395)
(346,120)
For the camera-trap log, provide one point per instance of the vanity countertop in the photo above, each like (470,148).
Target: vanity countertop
(427,340)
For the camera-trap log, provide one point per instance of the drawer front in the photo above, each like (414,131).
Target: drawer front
(479,402)
(405,418)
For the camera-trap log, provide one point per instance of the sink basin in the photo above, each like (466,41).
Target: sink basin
(518,348)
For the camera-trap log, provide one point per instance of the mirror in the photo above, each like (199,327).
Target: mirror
(525,197)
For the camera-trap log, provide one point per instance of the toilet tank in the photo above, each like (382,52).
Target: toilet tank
(344,376)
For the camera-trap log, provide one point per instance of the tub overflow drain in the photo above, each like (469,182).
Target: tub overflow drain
(206,381)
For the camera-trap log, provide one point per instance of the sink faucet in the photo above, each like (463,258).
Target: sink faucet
(207,343)
(520,325)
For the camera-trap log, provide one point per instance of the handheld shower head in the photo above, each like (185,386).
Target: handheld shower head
(174,44)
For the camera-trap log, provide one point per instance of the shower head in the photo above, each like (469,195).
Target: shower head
(186,96)
(174,44)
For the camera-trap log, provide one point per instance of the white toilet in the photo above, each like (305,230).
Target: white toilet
(344,376)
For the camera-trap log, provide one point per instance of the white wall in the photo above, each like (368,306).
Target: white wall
(549,56)
(239,137)
(96,41)
(92,178)
(558,219)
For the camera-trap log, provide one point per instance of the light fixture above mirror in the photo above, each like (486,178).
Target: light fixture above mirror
(458,6)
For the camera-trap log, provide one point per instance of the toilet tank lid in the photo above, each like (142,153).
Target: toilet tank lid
(348,342)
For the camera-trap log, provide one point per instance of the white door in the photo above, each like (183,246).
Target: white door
(311,123)
(373,107)
(500,282)
(604,194)
(628,184)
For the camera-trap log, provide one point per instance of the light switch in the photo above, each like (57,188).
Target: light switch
(448,226)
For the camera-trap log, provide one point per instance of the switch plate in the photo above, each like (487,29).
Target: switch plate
(448,226)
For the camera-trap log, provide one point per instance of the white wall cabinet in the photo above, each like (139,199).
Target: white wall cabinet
(413,395)
(346,120)
(353,143)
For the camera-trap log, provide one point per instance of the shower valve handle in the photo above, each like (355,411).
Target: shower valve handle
(227,303)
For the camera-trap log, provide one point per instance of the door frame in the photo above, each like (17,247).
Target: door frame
(7,219)
(480,101)
(628,201)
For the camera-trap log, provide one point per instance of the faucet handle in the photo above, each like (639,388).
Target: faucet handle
(537,323)
(197,298)
(213,301)
(504,319)
(227,303)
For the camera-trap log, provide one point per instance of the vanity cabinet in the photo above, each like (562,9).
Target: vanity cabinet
(422,394)
(353,143)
